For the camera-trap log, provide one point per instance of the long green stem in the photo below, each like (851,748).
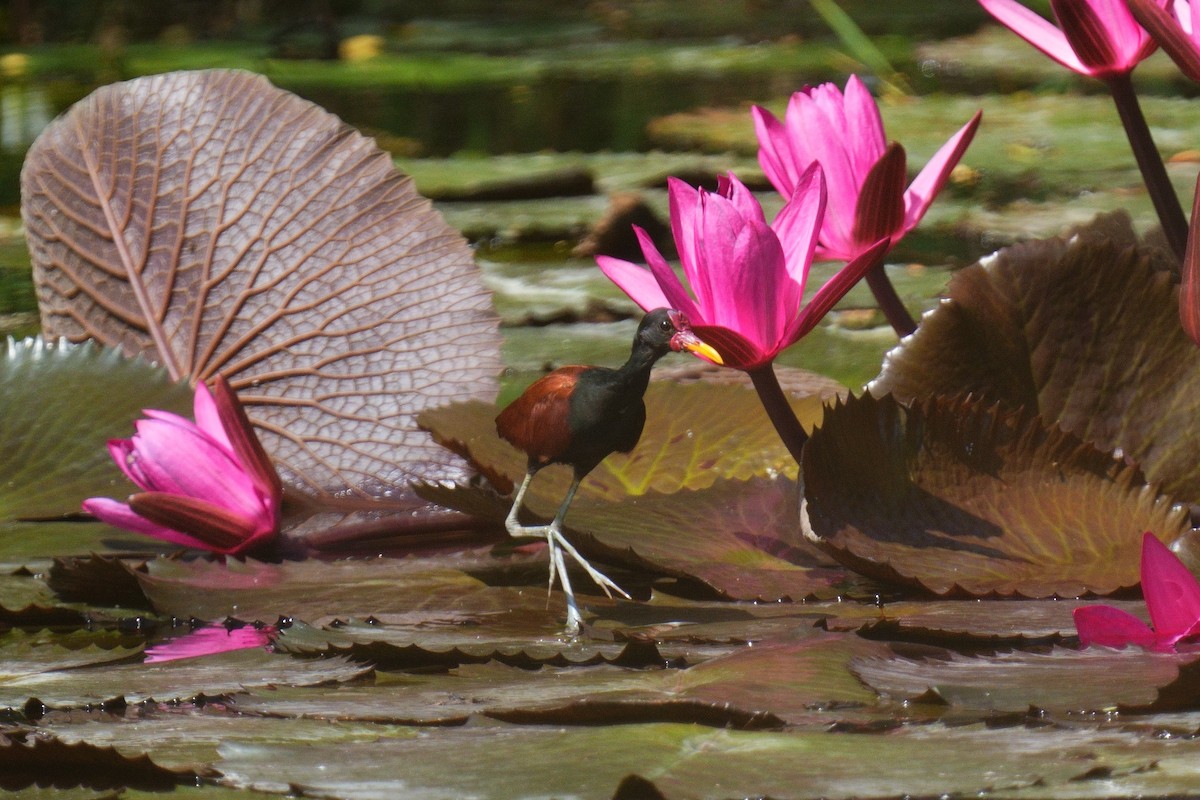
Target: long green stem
(1162,193)
(771,394)
(889,302)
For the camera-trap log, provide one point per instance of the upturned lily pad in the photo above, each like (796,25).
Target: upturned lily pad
(216,224)
(1085,332)
(961,497)
(1062,680)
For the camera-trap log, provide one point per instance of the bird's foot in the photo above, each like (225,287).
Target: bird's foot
(555,536)
(558,568)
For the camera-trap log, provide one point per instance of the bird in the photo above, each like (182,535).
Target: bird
(578,415)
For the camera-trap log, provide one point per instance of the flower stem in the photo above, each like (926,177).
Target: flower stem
(770,393)
(889,302)
(1162,193)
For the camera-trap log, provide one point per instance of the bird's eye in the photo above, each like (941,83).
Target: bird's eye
(666,325)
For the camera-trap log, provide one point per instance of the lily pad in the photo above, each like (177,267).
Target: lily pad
(1085,332)
(125,678)
(960,497)
(62,403)
(694,435)
(216,224)
(1062,680)
(26,760)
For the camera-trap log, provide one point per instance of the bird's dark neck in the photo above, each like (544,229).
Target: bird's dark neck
(634,374)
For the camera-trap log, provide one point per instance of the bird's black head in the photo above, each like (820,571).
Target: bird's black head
(666,329)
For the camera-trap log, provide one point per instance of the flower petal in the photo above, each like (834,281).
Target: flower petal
(120,515)
(1174,33)
(880,210)
(1171,591)
(220,530)
(774,152)
(187,461)
(933,177)
(797,225)
(835,289)
(241,439)
(1036,30)
(737,352)
(1112,627)
(637,282)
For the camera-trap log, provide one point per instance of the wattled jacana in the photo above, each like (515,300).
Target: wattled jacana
(577,415)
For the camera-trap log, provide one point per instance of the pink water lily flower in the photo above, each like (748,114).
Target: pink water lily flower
(747,278)
(207,484)
(1099,38)
(1172,600)
(1176,28)
(844,133)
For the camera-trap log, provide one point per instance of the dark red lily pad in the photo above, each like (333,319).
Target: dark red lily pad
(960,497)
(1083,330)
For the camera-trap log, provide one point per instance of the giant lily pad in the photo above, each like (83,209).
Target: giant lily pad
(964,497)
(215,224)
(1083,330)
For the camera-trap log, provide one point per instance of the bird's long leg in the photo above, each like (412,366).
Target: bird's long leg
(512,523)
(558,544)
(557,539)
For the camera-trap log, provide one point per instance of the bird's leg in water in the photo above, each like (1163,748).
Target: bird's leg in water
(558,544)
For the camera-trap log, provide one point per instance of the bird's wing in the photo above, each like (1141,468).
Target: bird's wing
(536,422)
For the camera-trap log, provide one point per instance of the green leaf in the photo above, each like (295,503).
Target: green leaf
(62,403)
(965,498)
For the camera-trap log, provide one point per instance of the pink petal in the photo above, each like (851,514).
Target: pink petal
(1112,627)
(684,202)
(219,529)
(797,226)
(1176,34)
(818,128)
(774,152)
(188,462)
(1171,592)
(879,213)
(208,418)
(743,263)
(933,177)
(637,282)
(1036,30)
(835,289)
(239,434)
(119,515)
(865,140)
